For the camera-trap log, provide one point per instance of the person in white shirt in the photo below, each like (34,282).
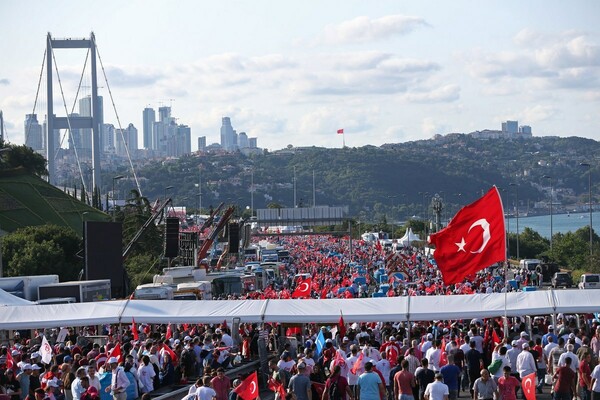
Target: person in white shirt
(119,380)
(146,375)
(500,354)
(427,344)
(93,378)
(574,359)
(76,388)
(547,349)
(437,390)
(205,392)
(596,382)
(433,356)
(525,362)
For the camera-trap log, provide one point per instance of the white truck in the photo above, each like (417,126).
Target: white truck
(26,287)
(153,291)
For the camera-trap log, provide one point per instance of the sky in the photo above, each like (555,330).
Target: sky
(294,72)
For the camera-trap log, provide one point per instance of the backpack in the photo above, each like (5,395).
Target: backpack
(334,390)
(494,366)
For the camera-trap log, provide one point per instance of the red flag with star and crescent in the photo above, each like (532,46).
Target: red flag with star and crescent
(303,289)
(528,386)
(248,389)
(473,240)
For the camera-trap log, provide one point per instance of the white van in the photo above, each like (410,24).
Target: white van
(589,281)
(529,264)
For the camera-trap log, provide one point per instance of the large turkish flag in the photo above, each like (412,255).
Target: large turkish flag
(473,240)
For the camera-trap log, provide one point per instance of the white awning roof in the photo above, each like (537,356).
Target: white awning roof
(415,308)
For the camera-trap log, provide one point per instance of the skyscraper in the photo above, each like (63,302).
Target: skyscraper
(127,140)
(34,136)
(510,126)
(149,117)
(252,142)
(108,138)
(85,110)
(202,143)
(227,134)
(243,140)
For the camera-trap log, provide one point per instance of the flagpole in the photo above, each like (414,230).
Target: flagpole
(343,140)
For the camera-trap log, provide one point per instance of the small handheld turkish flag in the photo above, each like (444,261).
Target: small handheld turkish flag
(473,240)
(248,389)
(528,386)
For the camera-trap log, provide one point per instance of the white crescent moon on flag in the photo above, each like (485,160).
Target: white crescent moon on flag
(526,383)
(252,387)
(305,288)
(486,233)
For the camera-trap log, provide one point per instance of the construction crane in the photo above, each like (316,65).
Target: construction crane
(208,242)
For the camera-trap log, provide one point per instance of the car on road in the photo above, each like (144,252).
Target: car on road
(589,281)
(561,279)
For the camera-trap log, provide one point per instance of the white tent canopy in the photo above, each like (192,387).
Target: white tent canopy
(415,308)
(7,299)
(408,238)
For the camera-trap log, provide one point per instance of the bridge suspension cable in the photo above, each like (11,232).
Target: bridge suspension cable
(36,97)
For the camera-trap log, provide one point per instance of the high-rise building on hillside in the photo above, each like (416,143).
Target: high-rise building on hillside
(228,135)
(129,138)
(243,140)
(34,135)
(148,117)
(202,143)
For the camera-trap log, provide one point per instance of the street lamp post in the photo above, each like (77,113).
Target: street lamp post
(517,195)
(115,178)
(551,213)
(589,167)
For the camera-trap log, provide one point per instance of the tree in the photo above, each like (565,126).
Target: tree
(41,250)
(148,247)
(22,156)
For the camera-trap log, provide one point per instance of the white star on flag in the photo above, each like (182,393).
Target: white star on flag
(461,245)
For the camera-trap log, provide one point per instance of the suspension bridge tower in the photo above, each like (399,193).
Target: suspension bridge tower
(53,122)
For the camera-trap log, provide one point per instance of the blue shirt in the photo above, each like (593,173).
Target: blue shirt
(368,383)
(451,373)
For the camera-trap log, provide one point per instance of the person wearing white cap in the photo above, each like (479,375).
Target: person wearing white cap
(119,380)
(525,362)
(427,344)
(23,379)
(548,335)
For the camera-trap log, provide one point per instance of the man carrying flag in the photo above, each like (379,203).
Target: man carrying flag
(473,240)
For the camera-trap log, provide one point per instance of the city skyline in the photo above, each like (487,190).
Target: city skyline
(296,73)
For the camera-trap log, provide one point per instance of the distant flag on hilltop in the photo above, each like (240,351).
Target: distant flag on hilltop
(340,131)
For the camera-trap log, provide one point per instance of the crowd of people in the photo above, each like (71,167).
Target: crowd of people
(437,360)
(444,360)
(339,269)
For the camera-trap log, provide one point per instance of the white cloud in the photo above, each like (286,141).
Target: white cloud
(364,29)
(539,113)
(570,60)
(431,127)
(446,93)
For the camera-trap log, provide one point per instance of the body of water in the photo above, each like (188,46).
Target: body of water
(562,223)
